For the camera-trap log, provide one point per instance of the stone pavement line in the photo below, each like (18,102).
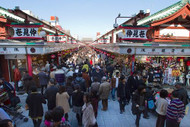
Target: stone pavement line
(110,118)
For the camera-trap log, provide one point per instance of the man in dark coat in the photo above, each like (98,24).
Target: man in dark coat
(43,79)
(121,93)
(81,82)
(132,83)
(182,93)
(50,94)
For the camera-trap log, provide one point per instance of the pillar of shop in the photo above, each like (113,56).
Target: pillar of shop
(29,64)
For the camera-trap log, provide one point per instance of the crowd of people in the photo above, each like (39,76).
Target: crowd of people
(80,86)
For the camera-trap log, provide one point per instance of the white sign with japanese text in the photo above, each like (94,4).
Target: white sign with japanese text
(134,33)
(56,38)
(26,33)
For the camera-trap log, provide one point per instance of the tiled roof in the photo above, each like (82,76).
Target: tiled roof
(162,13)
(4,12)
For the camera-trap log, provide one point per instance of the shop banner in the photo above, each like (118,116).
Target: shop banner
(56,38)
(163,51)
(134,33)
(26,31)
(12,50)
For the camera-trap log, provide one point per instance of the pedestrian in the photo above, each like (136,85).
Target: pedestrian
(114,84)
(47,67)
(34,103)
(88,118)
(161,108)
(5,120)
(58,119)
(77,99)
(70,89)
(52,73)
(104,91)
(132,82)
(17,77)
(94,94)
(81,82)
(70,73)
(50,94)
(97,73)
(43,79)
(121,94)
(182,93)
(139,103)
(62,99)
(86,77)
(60,76)
(175,111)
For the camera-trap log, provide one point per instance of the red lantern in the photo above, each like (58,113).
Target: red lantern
(53,56)
(59,54)
(113,57)
(188,63)
(108,54)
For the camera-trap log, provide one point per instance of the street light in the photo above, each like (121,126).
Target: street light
(115,25)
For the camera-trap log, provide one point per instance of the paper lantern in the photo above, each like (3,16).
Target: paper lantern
(53,56)
(188,63)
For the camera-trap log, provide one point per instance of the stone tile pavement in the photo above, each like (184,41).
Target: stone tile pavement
(110,118)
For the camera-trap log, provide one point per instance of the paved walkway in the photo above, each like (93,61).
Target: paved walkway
(110,118)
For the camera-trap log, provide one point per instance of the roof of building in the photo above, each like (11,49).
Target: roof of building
(4,12)
(163,13)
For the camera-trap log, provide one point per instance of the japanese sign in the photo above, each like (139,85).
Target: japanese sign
(56,38)
(26,31)
(134,33)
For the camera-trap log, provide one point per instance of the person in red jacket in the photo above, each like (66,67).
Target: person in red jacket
(17,77)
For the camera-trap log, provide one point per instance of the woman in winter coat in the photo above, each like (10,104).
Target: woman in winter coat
(88,117)
(138,103)
(34,104)
(62,99)
(77,99)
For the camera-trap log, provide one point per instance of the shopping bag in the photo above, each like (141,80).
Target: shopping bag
(186,110)
(151,104)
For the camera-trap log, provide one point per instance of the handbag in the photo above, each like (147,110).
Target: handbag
(151,104)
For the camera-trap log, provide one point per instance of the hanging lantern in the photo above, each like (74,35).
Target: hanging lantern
(113,57)
(188,63)
(53,56)
(108,54)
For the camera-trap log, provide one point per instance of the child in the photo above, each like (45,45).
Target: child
(48,119)
(161,108)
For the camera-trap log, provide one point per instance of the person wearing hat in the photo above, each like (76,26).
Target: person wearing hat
(97,73)
(104,91)
(50,94)
(182,93)
(43,79)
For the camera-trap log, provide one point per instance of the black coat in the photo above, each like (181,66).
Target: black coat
(121,90)
(136,101)
(77,98)
(132,84)
(50,95)
(34,102)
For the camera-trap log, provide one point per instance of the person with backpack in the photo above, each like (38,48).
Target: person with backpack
(81,82)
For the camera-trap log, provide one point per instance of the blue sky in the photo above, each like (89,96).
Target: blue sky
(86,17)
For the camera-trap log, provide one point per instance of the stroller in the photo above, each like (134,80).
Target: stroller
(14,113)
(12,108)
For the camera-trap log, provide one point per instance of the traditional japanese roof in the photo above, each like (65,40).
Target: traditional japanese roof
(4,12)
(163,13)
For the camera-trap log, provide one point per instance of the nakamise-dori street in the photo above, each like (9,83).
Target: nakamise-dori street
(95,63)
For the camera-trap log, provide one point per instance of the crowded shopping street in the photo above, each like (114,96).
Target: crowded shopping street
(135,73)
